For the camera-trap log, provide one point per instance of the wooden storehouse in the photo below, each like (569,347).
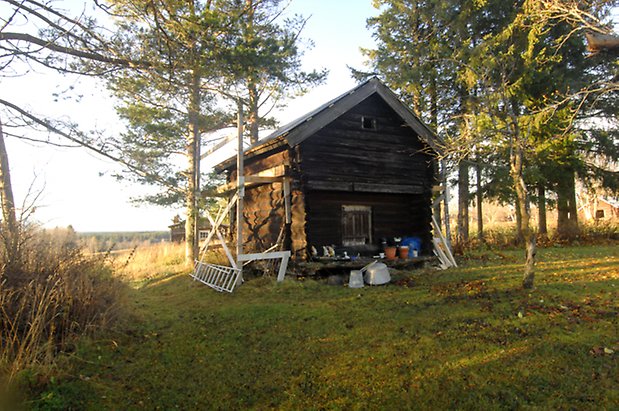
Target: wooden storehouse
(177,230)
(607,209)
(358,169)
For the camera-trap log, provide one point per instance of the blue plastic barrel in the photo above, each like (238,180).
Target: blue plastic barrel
(413,243)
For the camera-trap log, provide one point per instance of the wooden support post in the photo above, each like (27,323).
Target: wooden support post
(240,180)
(221,239)
(283,255)
(287,200)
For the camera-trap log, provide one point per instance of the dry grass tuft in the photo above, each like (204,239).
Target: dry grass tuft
(54,295)
(148,262)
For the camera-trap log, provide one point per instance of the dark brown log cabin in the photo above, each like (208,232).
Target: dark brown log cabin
(360,167)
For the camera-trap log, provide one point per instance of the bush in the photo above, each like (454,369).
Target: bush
(601,230)
(55,294)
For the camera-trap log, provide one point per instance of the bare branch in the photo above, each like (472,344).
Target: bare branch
(8,36)
(49,126)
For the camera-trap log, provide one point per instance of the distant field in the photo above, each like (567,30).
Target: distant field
(120,240)
(465,338)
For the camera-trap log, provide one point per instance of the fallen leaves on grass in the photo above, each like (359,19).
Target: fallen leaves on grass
(600,351)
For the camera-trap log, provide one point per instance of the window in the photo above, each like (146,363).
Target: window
(368,123)
(356,225)
(599,214)
(203,235)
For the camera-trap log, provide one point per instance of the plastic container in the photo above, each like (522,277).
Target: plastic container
(403,252)
(377,274)
(390,253)
(356,279)
(413,243)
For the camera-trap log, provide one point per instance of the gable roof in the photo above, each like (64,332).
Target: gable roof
(614,203)
(303,127)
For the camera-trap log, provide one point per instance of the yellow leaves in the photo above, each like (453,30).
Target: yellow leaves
(468,77)
(480,3)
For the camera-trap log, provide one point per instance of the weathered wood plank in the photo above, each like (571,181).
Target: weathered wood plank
(329,185)
(388,188)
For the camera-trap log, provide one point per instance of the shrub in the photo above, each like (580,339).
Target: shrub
(601,230)
(54,295)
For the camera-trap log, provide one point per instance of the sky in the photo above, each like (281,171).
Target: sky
(76,187)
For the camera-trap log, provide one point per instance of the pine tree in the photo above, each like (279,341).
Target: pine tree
(201,55)
(508,72)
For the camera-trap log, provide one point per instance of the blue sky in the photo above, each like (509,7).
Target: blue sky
(76,186)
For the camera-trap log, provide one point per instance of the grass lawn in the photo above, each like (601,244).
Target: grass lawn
(466,338)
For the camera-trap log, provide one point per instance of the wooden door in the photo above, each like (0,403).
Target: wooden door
(356,225)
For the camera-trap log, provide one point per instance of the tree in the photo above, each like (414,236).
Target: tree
(165,106)
(584,120)
(264,63)
(199,54)
(496,62)
(59,36)
(9,218)
(423,53)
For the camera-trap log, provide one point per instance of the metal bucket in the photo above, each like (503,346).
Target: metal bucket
(377,274)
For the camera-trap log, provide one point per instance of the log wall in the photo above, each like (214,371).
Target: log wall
(345,157)
(386,167)
(393,215)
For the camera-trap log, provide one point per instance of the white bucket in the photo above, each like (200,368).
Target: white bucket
(356,279)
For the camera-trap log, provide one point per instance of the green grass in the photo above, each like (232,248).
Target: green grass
(467,338)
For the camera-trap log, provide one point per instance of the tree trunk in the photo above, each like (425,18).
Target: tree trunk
(519,233)
(240,179)
(193,174)
(541,210)
(567,218)
(446,203)
(480,196)
(9,218)
(516,165)
(252,115)
(252,89)
(463,202)
(439,165)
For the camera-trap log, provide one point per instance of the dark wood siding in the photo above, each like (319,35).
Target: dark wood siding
(389,158)
(264,219)
(255,165)
(393,215)
(367,157)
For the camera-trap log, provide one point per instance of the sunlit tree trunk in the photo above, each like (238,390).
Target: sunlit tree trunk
(516,171)
(434,124)
(541,210)
(253,119)
(446,203)
(480,196)
(9,219)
